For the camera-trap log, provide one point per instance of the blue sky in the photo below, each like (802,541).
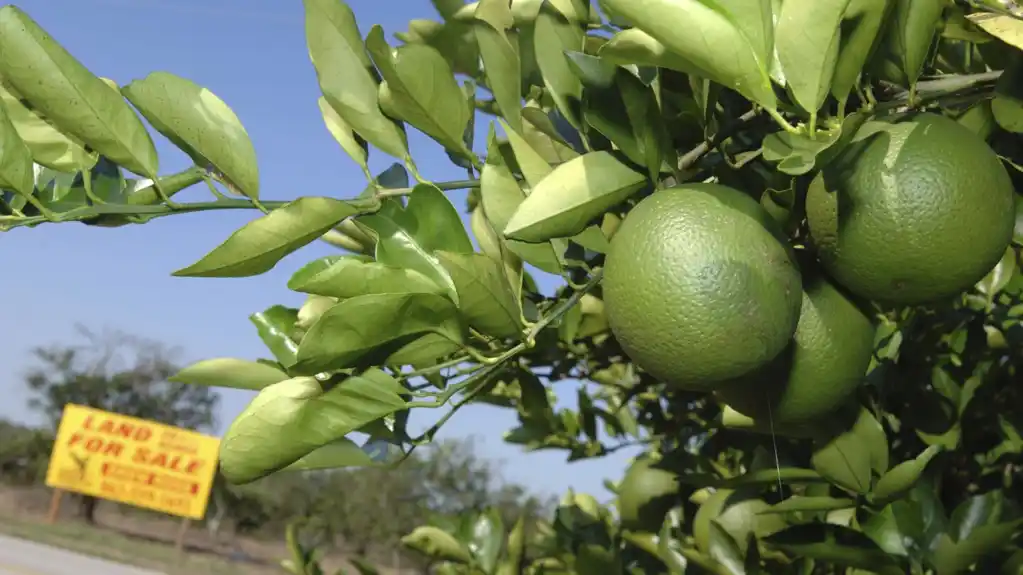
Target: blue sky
(252,53)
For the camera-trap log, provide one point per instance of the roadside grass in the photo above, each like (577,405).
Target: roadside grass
(110,544)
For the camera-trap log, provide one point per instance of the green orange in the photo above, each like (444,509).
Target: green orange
(700,286)
(912,212)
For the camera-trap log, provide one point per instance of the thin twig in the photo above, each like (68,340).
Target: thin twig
(689,159)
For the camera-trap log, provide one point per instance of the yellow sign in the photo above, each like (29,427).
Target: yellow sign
(134,461)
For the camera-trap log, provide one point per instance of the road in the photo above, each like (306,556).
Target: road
(20,557)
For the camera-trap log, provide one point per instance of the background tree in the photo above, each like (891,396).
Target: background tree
(811,112)
(116,372)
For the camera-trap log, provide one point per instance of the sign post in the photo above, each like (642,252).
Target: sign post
(133,461)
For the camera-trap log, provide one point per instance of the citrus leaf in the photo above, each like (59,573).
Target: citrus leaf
(292,418)
(860,29)
(358,329)
(258,245)
(396,247)
(515,549)
(487,538)
(850,459)
(732,48)
(1006,28)
(345,75)
(350,142)
(908,37)
(72,99)
(634,46)
(48,146)
(436,543)
(500,196)
(553,35)
(724,549)
(798,154)
(798,503)
(999,276)
(230,372)
(435,222)
(835,544)
(337,454)
(576,192)
(485,297)
(807,44)
(420,88)
(16,171)
(900,479)
(952,558)
(201,124)
(351,276)
(501,64)
(276,328)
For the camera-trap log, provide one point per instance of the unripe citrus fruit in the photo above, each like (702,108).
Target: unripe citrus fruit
(645,495)
(918,211)
(823,366)
(700,286)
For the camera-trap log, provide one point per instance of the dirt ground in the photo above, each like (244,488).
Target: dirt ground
(144,540)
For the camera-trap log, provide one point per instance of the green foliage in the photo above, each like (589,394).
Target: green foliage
(596,106)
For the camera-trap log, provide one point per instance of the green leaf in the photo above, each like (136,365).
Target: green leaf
(434,222)
(350,142)
(861,29)
(807,41)
(1006,28)
(351,276)
(531,164)
(201,124)
(49,147)
(501,63)
(74,100)
(835,544)
(553,35)
(907,39)
(798,503)
(276,328)
(649,129)
(369,328)
(420,88)
(455,40)
(485,297)
(593,71)
(975,512)
(850,459)
(516,549)
(258,245)
(487,538)
(346,75)
(397,248)
(733,47)
(230,372)
(634,46)
(437,544)
(337,454)
(724,549)
(951,558)
(16,171)
(798,154)
(999,277)
(500,196)
(771,476)
(564,203)
(901,478)
(292,418)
